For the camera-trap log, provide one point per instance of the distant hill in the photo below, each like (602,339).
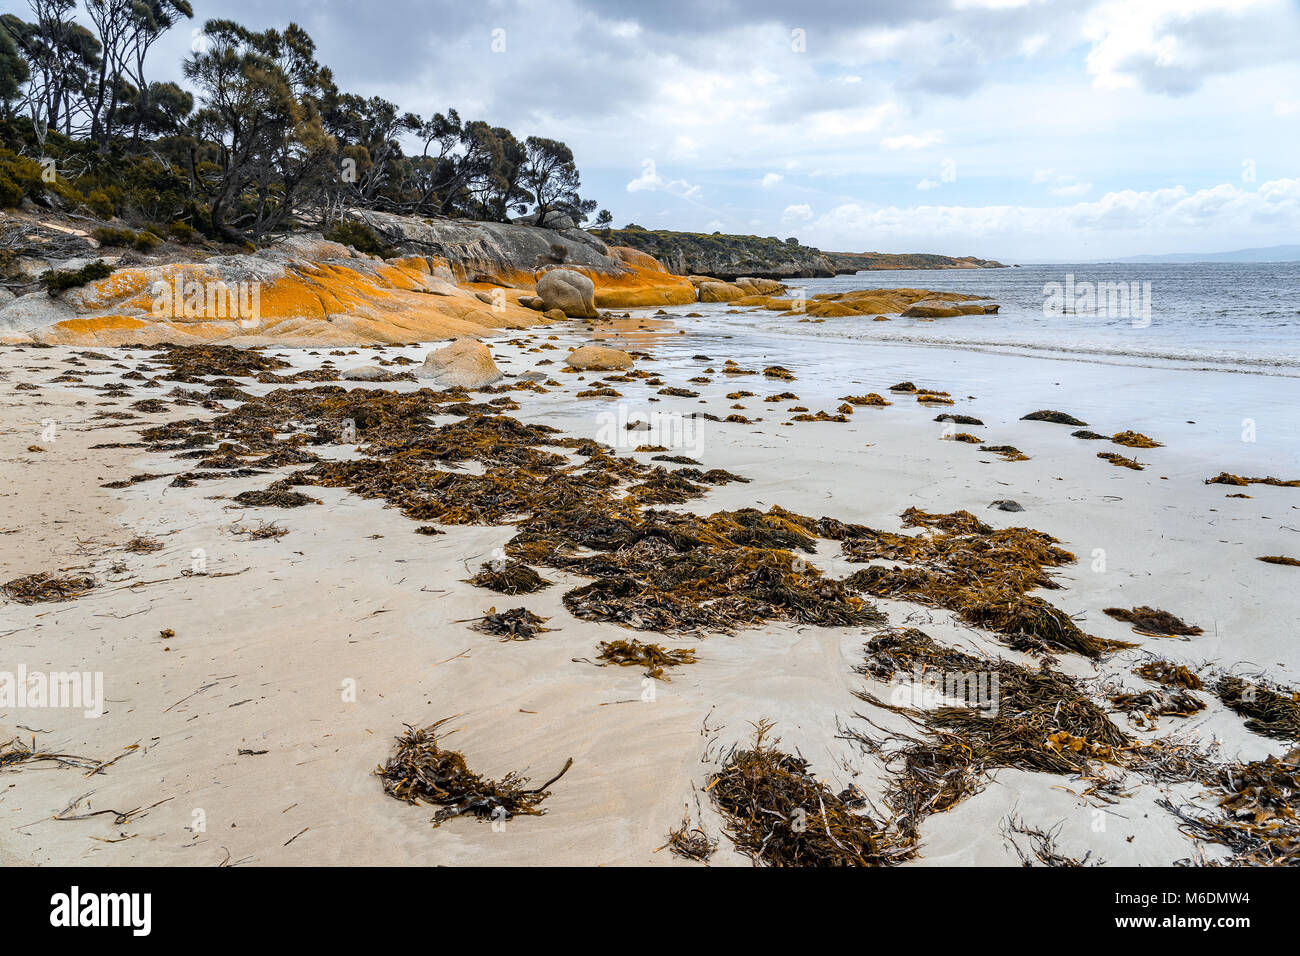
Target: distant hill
(869,261)
(1285,253)
(729,257)
(724,256)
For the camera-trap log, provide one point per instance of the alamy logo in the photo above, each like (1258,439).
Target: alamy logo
(72,909)
(1108,300)
(56,689)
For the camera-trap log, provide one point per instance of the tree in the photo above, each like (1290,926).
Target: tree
(14,72)
(551,176)
(62,58)
(605,219)
(150,20)
(261,94)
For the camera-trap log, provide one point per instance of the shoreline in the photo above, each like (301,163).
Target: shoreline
(328,603)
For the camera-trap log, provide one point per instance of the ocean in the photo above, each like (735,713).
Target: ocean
(1231,316)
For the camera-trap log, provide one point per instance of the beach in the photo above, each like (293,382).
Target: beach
(252,687)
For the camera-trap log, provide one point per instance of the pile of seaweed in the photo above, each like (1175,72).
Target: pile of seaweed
(191,363)
(984,575)
(1227,478)
(653,657)
(44,586)
(1256,818)
(1038,720)
(516,624)
(420,771)
(780,814)
(1271,711)
(1153,622)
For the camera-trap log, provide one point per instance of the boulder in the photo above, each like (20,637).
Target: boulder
(531,302)
(465,363)
(598,358)
(754,286)
(555,315)
(947,310)
(720,292)
(570,292)
(554,220)
(367,373)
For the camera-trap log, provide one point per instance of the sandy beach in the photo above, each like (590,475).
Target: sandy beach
(253,686)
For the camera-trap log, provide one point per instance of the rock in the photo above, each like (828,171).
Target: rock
(365,373)
(466,363)
(554,220)
(720,292)
(531,302)
(1006,504)
(570,292)
(598,358)
(753,286)
(533,375)
(1089,436)
(958,419)
(555,315)
(947,310)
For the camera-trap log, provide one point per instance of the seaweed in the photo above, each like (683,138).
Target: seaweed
(982,574)
(871,398)
(690,842)
(275,498)
(1258,813)
(1271,711)
(653,657)
(1006,452)
(1280,559)
(45,586)
(1169,674)
(958,419)
(780,814)
(1119,460)
(1051,415)
(1227,478)
(1152,622)
(420,771)
(1087,435)
(516,624)
(1134,440)
(509,577)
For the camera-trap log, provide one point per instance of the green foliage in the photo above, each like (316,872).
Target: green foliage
(58,280)
(127,238)
(357,235)
(11,194)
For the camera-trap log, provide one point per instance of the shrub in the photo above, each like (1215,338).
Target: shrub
(182,231)
(357,235)
(11,194)
(110,236)
(57,280)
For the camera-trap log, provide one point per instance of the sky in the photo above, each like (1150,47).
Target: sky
(1020,130)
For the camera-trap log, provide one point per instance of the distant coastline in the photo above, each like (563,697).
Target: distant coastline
(730,256)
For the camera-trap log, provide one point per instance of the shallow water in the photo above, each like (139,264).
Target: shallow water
(1242,316)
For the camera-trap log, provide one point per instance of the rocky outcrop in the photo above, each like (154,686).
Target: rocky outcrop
(571,292)
(850,262)
(831,305)
(931,309)
(722,256)
(465,363)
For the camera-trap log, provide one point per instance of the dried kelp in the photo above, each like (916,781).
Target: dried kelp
(1144,707)
(780,814)
(1271,711)
(653,657)
(419,771)
(1006,452)
(46,586)
(1152,622)
(1169,674)
(516,624)
(982,574)
(1258,815)
(1227,478)
(509,577)
(1134,440)
(1042,845)
(1280,559)
(690,841)
(1119,460)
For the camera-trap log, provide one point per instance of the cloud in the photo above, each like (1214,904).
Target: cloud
(1119,219)
(925,185)
(770,180)
(651,181)
(797,214)
(911,141)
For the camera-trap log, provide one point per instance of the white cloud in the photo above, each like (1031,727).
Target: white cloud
(925,185)
(909,141)
(770,180)
(651,181)
(797,214)
(1117,221)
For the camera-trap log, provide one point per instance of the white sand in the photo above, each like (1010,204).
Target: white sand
(352,597)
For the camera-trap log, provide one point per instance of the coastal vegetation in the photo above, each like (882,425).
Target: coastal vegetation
(267,138)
